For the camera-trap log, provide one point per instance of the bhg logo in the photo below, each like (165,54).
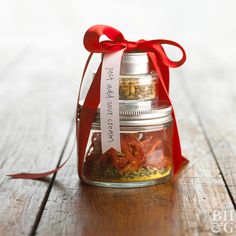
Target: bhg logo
(222,222)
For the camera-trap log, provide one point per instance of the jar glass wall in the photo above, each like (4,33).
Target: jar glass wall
(138,87)
(145,158)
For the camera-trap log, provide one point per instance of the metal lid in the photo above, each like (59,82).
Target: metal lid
(141,114)
(135,63)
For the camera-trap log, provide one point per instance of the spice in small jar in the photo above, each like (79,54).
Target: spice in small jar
(140,87)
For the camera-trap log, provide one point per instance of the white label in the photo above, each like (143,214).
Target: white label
(109,96)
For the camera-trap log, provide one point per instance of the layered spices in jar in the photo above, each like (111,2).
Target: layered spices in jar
(141,87)
(146,151)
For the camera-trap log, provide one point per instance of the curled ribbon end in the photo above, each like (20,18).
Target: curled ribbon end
(185,160)
(180,165)
(26,176)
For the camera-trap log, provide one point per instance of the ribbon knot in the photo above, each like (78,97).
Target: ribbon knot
(131,46)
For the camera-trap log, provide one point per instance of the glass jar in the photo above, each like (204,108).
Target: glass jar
(146,148)
(140,87)
(137,82)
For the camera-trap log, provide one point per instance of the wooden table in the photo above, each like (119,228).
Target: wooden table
(38,92)
(38,95)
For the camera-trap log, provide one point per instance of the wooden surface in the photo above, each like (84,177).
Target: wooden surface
(36,117)
(38,92)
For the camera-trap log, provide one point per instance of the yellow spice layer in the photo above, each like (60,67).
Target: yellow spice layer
(156,175)
(136,177)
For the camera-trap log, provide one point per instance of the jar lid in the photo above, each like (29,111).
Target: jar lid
(141,114)
(135,63)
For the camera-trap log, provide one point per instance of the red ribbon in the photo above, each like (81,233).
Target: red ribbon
(159,62)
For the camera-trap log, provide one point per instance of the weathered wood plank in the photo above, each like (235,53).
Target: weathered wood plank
(183,206)
(215,107)
(36,109)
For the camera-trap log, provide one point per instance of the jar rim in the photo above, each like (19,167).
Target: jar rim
(141,114)
(135,63)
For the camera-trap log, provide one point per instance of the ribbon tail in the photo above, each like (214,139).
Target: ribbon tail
(185,160)
(178,159)
(45,174)
(165,73)
(86,117)
(36,175)
(41,175)
(82,79)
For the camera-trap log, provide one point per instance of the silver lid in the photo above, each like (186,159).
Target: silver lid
(135,63)
(141,115)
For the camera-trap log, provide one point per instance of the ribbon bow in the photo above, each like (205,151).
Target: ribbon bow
(159,62)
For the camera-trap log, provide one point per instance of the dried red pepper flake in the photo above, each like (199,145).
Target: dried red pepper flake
(132,166)
(138,150)
(119,160)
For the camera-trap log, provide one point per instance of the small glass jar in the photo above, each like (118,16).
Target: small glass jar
(146,149)
(140,87)
(137,82)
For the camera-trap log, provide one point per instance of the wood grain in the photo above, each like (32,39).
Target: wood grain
(36,111)
(216,111)
(183,206)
